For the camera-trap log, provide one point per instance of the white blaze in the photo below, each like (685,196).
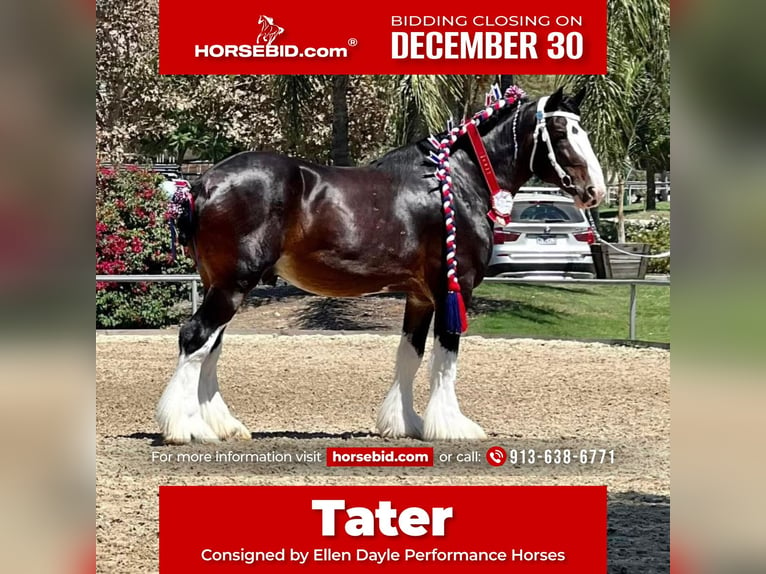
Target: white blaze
(581,144)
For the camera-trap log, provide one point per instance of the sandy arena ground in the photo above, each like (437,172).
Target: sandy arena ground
(308,392)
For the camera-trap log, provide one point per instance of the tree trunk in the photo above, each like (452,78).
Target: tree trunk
(664,188)
(339,154)
(621,212)
(505,82)
(595,216)
(651,190)
(181,153)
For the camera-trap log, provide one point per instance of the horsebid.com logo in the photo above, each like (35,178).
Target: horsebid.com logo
(264,46)
(269,30)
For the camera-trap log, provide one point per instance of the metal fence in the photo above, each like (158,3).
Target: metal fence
(193,279)
(632,283)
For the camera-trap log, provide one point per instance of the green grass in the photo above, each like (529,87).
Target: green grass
(578,312)
(636,211)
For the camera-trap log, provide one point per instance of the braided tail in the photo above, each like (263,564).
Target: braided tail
(181,216)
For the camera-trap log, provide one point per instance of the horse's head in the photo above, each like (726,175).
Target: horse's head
(560,151)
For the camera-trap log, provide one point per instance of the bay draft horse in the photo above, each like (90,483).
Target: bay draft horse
(347,232)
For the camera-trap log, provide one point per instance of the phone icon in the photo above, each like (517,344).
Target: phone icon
(496,456)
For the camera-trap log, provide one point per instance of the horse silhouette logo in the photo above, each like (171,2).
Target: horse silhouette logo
(269,30)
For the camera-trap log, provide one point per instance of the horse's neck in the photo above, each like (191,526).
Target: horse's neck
(469,177)
(465,169)
(511,166)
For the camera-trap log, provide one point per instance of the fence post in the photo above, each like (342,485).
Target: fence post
(194,296)
(632,327)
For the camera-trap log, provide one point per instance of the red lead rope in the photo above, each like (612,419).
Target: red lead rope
(502,200)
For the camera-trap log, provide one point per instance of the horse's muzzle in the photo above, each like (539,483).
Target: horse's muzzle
(591,196)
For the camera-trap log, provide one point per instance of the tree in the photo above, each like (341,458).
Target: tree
(627,106)
(339,153)
(294,96)
(505,81)
(338,119)
(652,151)
(538,85)
(128,88)
(423,104)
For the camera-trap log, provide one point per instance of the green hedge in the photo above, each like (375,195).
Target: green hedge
(133,236)
(655,231)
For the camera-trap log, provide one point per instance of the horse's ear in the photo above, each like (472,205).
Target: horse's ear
(554,101)
(579,97)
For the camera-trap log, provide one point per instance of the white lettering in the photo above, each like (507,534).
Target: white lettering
(328,508)
(398,45)
(433,39)
(434,45)
(361,521)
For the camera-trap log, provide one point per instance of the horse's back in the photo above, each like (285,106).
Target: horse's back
(251,171)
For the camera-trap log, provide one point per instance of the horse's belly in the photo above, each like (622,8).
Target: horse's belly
(339,279)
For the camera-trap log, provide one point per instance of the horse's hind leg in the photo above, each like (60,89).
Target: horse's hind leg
(213,408)
(397,416)
(443,418)
(179,412)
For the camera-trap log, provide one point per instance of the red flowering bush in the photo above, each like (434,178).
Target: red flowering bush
(133,237)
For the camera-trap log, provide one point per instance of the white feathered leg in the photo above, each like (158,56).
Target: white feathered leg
(443,418)
(212,406)
(397,416)
(178,412)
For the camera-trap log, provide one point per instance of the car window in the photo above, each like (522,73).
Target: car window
(545,211)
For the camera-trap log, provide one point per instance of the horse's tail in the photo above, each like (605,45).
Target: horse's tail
(186,222)
(182,214)
(187,219)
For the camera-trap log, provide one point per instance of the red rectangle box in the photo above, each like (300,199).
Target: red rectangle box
(380,456)
(393,37)
(445,529)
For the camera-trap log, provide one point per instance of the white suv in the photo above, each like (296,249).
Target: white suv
(548,236)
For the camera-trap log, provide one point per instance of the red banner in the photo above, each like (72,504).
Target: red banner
(394,37)
(395,528)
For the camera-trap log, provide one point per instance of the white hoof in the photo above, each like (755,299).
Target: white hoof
(235,430)
(411,427)
(452,425)
(187,430)
(399,424)
(396,417)
(223,423)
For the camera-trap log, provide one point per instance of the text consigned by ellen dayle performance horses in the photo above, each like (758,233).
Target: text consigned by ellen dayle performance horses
(395,225)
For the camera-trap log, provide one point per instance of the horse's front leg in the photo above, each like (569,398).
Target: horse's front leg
(443,418)
(397,416)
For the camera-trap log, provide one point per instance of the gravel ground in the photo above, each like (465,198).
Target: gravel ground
(307,392)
